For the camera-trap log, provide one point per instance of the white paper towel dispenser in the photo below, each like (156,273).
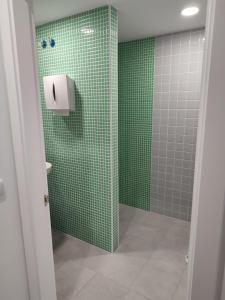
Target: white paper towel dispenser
(59,94)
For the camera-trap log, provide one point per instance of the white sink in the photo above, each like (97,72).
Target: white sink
(48,167)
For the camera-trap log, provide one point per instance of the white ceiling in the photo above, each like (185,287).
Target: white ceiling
(137,18)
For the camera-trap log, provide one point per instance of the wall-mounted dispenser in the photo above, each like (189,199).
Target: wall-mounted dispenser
(59,94)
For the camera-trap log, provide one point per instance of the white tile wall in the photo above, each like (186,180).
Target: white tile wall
(177,82)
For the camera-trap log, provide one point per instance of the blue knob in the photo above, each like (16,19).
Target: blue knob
(52,43)
(44,44)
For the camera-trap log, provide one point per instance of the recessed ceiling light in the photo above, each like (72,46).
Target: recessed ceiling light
(190,11)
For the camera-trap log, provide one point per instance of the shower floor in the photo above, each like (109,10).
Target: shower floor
(148,265)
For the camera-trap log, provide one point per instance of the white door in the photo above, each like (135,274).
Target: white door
(208,217)
(18,47)
(13,274)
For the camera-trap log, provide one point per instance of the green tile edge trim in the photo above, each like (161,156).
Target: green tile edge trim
(113,54)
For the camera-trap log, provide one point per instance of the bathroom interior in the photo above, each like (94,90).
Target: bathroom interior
(120,87)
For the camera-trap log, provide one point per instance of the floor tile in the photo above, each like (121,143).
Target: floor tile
(128,228)
(157,283)
(70,279)
(175,244)
(148,264)
(181,292)
(149,219)
(139,245)
(135,296)
(180,229)
(72,249)
(102,288)
(169,260)
(119,267)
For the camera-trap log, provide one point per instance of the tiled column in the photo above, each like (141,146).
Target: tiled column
(83,186)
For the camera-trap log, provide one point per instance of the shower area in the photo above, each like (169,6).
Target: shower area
(123,162)
(159,97)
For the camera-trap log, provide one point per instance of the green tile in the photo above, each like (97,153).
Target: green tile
(136,69)
(114,123)
(83,186)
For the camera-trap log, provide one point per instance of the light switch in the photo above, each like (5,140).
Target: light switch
(2,191)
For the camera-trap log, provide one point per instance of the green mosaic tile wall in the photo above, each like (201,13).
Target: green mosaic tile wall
(114,117)
(83,186)
(136,68)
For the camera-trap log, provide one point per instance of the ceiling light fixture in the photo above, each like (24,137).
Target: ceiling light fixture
(190,11)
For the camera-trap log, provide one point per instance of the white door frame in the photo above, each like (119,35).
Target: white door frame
(26,122)
(17,34)
(207,229)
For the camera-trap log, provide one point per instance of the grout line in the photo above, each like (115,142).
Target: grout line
(85,285)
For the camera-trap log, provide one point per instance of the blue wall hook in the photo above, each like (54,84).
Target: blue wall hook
(52,43)
(44,44)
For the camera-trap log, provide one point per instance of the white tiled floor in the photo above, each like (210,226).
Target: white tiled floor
(148,265)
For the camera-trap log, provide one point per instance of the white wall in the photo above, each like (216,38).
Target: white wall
(13,277)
